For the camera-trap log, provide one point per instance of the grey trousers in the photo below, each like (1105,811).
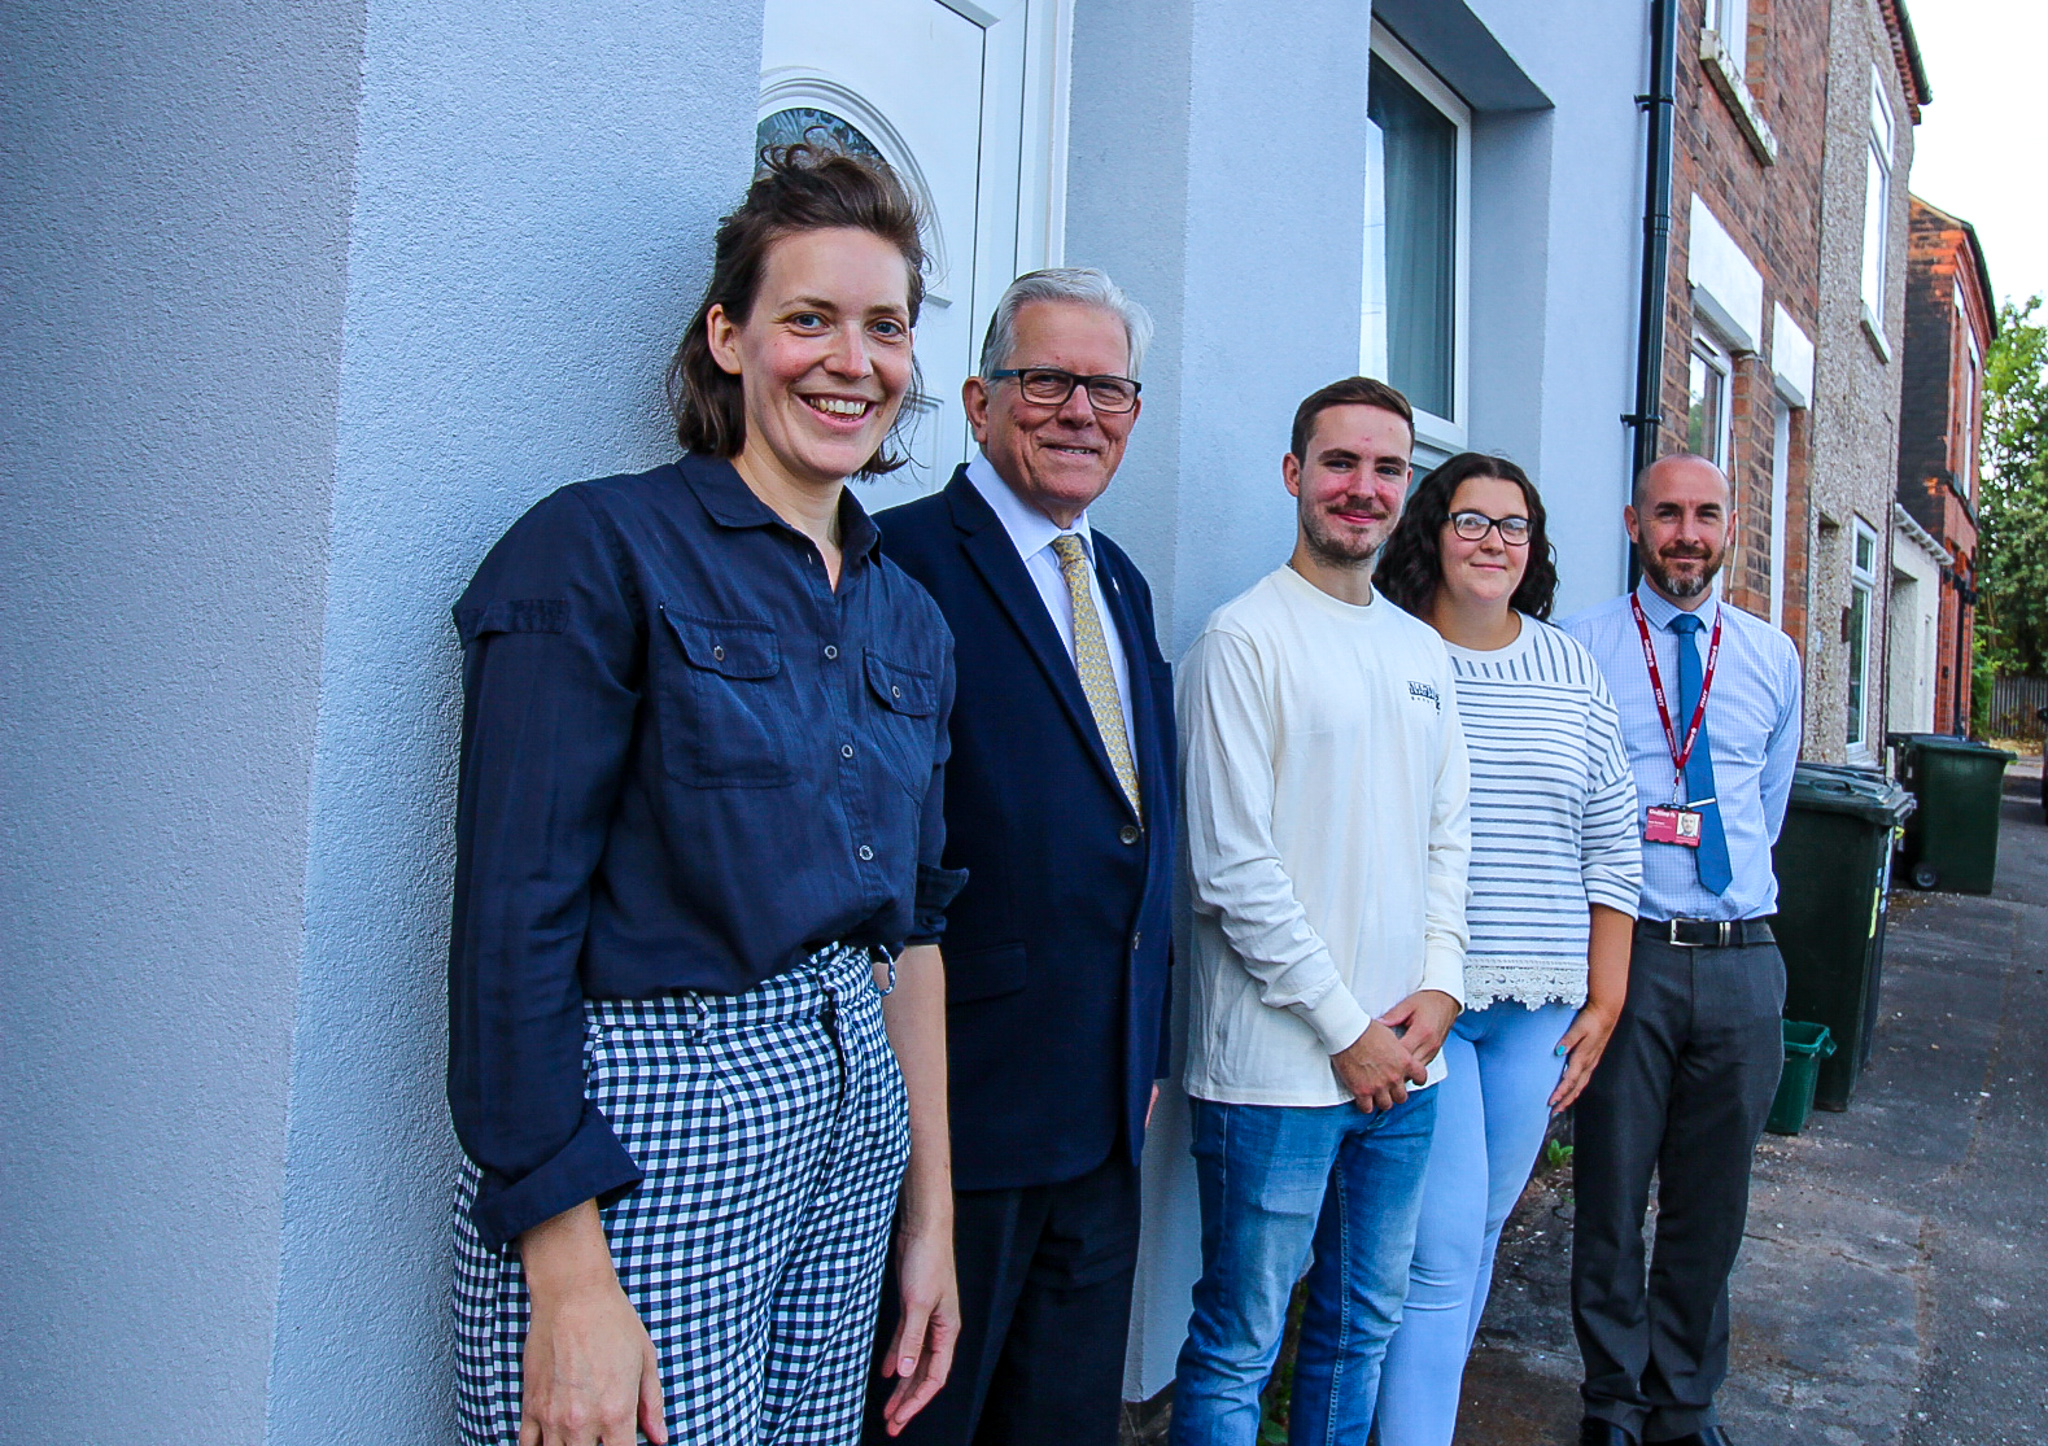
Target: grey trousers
(1683,1090)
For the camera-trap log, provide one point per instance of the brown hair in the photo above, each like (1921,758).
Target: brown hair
(1351,392)
(1411,565)
(803,187)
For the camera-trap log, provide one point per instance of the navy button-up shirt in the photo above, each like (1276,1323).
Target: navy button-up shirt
(687,763)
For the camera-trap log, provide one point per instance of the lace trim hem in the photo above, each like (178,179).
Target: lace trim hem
(1495,981)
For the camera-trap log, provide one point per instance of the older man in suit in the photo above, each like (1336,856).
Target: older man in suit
(1060,805)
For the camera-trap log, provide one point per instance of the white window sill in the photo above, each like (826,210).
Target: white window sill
(1727,79)
(1874,334)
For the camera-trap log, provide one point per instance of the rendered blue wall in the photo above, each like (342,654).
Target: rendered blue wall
(537,186)
(176,193)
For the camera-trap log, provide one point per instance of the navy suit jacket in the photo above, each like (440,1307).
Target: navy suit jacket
(1058,949)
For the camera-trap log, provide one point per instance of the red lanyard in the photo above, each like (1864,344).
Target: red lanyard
(1699,713)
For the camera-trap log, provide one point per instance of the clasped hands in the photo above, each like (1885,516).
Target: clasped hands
(1395,1050)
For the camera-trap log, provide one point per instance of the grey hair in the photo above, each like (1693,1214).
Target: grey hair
(1082,285)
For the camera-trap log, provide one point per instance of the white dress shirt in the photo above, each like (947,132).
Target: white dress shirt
(1031,533)
(1328,832)
(1752,729)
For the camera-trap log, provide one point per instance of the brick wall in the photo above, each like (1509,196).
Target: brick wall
(1773,212)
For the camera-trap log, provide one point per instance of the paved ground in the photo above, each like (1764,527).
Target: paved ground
(1894,1285)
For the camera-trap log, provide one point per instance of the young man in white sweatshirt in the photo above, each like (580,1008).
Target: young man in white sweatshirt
(1327,828)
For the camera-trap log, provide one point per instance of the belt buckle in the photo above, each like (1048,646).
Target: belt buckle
(1671,935)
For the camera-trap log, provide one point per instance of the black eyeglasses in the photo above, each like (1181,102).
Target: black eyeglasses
(1050,387)
(1472,526)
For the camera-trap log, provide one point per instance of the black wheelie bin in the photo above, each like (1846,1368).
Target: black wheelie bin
(1833,861)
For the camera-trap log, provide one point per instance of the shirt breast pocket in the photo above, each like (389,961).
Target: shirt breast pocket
(904,720)
(727,708)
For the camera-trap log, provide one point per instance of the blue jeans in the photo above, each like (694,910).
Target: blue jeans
(1276,1180)
(1491,1118)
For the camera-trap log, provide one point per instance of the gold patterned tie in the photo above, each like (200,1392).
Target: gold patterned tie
(1091,658)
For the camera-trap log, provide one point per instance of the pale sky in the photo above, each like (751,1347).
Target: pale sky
(1979,151)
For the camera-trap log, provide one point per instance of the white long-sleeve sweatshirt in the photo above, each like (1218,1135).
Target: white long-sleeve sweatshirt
(1325,783)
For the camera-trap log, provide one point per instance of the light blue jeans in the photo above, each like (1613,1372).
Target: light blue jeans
(1490,1123)
(1274,1181)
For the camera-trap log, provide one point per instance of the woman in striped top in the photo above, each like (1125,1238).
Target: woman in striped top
(1555,870)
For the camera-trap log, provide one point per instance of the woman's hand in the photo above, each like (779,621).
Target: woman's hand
(1612,935)
(591,1374)
(921,1352)
(1583,1044)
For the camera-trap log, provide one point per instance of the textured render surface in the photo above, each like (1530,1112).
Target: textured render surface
(176,189)
(1554,315)
(1856,390)
(537,189)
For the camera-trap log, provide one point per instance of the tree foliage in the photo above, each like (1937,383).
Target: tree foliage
(2012,546)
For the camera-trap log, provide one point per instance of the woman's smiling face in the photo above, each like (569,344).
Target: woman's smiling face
(824,357)
(1486,571)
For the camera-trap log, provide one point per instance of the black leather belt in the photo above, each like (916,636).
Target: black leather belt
(1706,933)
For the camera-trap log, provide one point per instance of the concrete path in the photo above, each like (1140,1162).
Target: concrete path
(1893,1289)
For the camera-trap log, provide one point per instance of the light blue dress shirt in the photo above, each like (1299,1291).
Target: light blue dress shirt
(1753,717)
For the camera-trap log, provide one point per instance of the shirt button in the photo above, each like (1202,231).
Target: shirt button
(1127,834)
(867,855)
(846,750)
(1136,940)
(894,691)
(718,652)
(830,652)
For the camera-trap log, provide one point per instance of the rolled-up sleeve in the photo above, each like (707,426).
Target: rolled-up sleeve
(936,884)
(551,658)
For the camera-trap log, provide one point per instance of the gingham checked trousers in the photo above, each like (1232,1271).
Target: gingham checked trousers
(774,1129)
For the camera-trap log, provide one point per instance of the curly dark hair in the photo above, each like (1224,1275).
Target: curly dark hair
(809,186)
(1410,566)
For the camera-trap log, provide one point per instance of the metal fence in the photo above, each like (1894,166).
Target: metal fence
(2015,708)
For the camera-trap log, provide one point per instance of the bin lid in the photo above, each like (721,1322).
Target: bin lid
(1947,743)
(1863,792)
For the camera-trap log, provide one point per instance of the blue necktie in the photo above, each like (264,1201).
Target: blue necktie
(1711,857)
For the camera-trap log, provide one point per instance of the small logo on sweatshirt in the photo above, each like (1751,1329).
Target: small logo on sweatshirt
(1424,690)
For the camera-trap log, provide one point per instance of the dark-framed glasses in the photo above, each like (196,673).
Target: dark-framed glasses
(1472,526)
(1050,387)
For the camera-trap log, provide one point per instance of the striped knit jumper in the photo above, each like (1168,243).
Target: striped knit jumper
(1553,815)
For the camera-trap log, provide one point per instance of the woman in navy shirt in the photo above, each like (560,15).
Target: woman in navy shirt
(703,735)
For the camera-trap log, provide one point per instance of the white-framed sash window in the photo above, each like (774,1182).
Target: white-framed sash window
(1710,398)
(1877,204)
(1863,557)
(1418,207)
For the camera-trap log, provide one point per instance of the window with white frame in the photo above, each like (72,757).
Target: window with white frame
(1729,20)
(1966,404)
(1781,508)
(1709,400)
(1862,602)
(1417,219)
(1877,202)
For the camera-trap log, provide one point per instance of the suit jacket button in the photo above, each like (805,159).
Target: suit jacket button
(1127,834)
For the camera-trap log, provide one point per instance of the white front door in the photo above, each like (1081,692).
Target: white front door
(968,103)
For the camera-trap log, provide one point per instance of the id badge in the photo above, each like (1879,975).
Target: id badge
(1673,826)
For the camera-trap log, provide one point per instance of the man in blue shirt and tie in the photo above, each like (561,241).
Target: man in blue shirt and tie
(1710,707)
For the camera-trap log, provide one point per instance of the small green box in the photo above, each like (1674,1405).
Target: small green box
(1806,1045)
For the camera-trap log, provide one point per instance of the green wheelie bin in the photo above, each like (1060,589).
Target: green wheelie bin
(1952,842)
(1833,862)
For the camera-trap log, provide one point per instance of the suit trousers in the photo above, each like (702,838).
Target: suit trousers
(1045,1303)
(1682,1092)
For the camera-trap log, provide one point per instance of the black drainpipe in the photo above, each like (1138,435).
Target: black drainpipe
(1660,103)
